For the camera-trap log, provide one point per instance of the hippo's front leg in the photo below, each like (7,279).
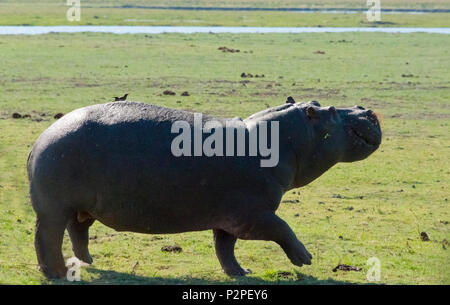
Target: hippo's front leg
(271,227)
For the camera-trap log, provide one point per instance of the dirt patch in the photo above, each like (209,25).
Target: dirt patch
(185,93)
(319,52)
(228,50)
(340,41)
(169,92)
(344,267)
(249,75)
(284,274)
(35,116)
(175,249)
(17,115)
(424,236)
(58,115)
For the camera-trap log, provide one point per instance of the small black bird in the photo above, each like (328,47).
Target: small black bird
(290,100)
(123,98)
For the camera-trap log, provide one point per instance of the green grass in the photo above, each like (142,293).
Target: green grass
(386,200)
(405,4)
(91,14)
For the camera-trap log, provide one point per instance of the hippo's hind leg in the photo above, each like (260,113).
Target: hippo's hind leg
(48,242)
(224,244)
(78,229)
(269,226)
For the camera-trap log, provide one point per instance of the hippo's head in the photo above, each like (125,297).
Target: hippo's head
(315,138)
(343,134)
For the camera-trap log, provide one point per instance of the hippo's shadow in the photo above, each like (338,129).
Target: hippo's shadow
(109,277)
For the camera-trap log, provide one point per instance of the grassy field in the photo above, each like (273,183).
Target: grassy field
(405,4)
(376,207)
(118,13)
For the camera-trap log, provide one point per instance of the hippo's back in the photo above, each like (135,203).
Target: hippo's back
(114,160)
(89,135)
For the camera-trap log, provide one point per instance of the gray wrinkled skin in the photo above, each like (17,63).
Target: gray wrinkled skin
(112,163)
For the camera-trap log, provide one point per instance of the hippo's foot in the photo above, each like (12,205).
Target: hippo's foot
(298,254)
(224,244)
(270,227)
(84,257)
(79,235)
(48,241)
(237,271)
(54,273)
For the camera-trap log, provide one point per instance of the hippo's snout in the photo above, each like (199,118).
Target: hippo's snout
(368,128)
(363,132)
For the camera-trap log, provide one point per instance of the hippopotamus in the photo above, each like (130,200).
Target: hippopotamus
(114,163)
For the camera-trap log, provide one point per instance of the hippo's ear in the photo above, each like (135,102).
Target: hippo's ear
(315,103)
(311,113)
(290,100)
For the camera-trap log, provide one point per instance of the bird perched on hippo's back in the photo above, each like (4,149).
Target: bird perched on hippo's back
(123,98)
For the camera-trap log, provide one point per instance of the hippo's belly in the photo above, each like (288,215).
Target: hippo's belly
(148,193)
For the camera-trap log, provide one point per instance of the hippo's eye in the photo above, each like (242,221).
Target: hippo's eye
(332,110)
(311,113)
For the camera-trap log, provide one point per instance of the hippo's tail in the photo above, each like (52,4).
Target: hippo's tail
(29,165)
(31,186)
(30,176)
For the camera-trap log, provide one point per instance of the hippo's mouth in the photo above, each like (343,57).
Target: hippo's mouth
(362,134)
(365,131)
(364,138)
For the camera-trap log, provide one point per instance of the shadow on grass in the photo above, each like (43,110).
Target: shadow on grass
(108,277)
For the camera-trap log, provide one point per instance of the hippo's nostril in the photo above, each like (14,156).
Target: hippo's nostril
(372,117)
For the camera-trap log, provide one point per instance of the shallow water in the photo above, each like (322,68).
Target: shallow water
(37,30)
(284,9)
